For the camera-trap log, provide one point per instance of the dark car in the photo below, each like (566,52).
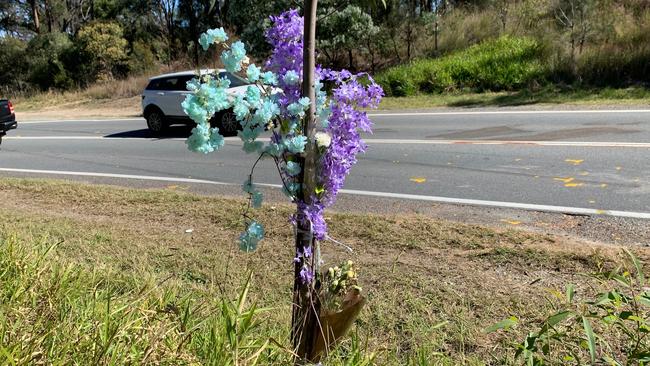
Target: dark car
(7,117)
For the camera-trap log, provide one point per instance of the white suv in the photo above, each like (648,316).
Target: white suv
(162,98)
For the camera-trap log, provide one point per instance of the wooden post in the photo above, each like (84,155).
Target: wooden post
(306,307)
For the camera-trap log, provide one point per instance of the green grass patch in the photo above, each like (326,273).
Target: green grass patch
(106,275)
(505,63)
(543,96)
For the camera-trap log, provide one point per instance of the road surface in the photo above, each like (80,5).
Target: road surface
(584,162)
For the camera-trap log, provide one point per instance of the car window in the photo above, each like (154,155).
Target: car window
(235,80)
(154,84)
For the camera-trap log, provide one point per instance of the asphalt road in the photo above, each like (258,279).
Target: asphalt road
(592,160)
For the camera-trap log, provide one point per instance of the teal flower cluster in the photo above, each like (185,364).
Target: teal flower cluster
(234,57)
(271,102)
(249,239)
(212,36)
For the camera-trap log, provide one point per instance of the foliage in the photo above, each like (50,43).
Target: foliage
(503,64)
(12,71)
(345,31)
(54,312)
(575,333)
(104,43)
(588,43)
(45,54)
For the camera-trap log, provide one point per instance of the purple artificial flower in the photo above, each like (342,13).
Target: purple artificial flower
(306,275)
(346,120)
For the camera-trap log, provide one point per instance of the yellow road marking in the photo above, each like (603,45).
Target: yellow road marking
(574,161)
(565,180)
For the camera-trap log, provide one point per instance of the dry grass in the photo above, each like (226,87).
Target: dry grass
(416,271)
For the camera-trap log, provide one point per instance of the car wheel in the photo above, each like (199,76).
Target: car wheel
(156,122)
(227,123)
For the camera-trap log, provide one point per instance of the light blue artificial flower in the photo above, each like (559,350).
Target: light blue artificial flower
(253,95)
(248,186)
(296,144)
(290,189)
(253,73)
(249,239)
(304,101)
(292,168)
(296,110)
(212,36)
(194,109)
(205,41)
(241,108)
(291,78)
(193,85)
(238,49)
(256,199)
(231,62)
(269,78)
(222,82)
(264,113)
(218,35)
(274,149)
(204,139)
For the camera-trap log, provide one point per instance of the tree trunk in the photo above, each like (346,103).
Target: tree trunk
(350,60)
(306,307)
(37,23)
(48,15)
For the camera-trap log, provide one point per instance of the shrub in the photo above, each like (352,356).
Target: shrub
(397,82)
(505,63)
(609,328)
(44,55)
(104,42)
(12,71)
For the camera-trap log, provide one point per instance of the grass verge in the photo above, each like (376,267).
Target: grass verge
(105,275)
(544,96)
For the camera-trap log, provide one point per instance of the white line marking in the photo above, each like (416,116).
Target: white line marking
(79,120)
(462,201)
(511,142)
(462,113)
(110,175)
(377,141)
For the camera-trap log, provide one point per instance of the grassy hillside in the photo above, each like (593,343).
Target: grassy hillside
(506,63)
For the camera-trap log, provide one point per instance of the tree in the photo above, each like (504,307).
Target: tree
(345,31)
(574,17)
(104,42)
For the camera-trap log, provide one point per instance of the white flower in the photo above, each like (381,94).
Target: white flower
(323,139)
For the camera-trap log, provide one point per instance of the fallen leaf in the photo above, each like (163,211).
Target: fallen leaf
(592,201)
(418,180)
(574,161)
(172,187)
(604,185)
(511,222)
(619,168)
(584,173)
